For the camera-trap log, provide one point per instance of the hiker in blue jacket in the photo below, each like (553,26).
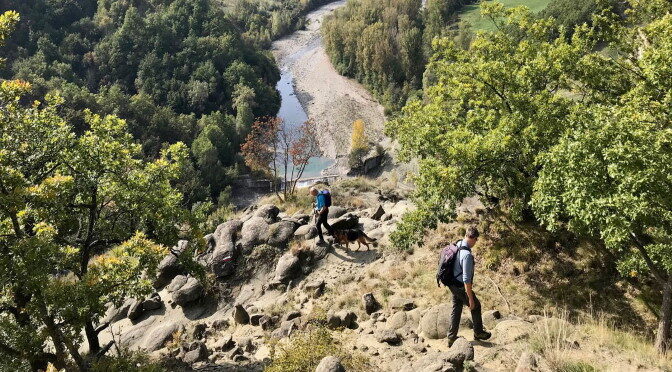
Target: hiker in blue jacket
(321,211)
(463,272)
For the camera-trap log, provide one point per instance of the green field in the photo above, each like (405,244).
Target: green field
(472,14)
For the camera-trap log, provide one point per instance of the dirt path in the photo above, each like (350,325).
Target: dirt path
(332,100)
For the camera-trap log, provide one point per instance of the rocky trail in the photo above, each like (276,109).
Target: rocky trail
(268,283)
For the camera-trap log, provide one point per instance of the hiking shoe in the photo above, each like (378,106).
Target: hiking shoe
(451,341)
(483,335)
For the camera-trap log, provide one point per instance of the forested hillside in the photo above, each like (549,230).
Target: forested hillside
(175,70)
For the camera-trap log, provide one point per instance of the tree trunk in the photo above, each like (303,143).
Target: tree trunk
(92,337)
(663,334)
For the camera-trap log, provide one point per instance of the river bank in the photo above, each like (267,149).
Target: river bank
(331,100)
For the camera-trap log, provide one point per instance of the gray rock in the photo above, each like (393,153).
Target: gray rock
(266,322)
(378,213)
(280,233)
(116,314)
(288,268)
(191,291)
(224,342)
(347,221)
(336,212)
(306,232)
(466,322)
(405,304)
(240,358)
(436,322)
(255,231)
(528,362)
(315,288)
(198,331)
(509,331)
(136,310)
(460,352)
(389,337)
(235,352)
(397,320)
(224,254)
(177,283)
(301,217)
(342,318)
(371,305)
(153,302)
(240,315)
(433,361)
(220,324)
(291,315)
(197,354)
(285,330)
(170,266)
(158,338)
(245,343)
(330,364)
(268,212)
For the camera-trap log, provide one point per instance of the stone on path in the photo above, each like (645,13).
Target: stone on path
(330,364)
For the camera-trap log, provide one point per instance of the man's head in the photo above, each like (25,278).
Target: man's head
(313,191)
(471,236)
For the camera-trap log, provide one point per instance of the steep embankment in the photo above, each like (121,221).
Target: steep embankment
(283,303)
(332,100)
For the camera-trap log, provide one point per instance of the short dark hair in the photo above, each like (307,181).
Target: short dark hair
(472,232)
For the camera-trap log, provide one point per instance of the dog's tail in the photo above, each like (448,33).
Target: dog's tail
(368,238)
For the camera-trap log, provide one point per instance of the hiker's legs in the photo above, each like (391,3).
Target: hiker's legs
(476,316)
(318,224)
(326,224)
(458,301)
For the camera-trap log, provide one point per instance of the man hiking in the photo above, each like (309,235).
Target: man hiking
(321,211)
(463,294)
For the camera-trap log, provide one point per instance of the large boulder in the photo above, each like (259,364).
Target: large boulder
(176,283)
(198,352)
(158,338)
(371,305)
(330,364)
(191,291)
(306,232)
(255,231)
(512,330)
(397,320)
(114,314)
(434,361)
(170,266)
(405,304)
(136,310)
(436,322)
(240,315)
(223,256)
(461,351)
(378,213)
(342,318)
(335,212)
(491,318)
(389,336)
(347,221)
(288,268)
(280,233)
(268,212)
(153,302)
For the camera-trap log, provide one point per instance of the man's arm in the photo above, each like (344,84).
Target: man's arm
(467,276)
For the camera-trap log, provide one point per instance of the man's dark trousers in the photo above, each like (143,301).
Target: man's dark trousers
(460,299)
(322,220)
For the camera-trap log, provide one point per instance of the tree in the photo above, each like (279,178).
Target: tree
(610,178)
(492,110)
(274,146)
(82,220)
(359,146)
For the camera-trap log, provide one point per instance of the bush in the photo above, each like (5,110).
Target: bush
(126,361)
(305,351)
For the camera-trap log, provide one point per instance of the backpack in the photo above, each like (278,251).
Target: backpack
(447,258)
(327,197)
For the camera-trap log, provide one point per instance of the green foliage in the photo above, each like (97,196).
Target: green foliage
(126,362)
(380,44)
(472,13)
(81,224)
(490,113)
(159,65)
(305,350)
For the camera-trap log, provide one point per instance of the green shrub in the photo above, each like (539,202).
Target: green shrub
(305,351)
(126,362)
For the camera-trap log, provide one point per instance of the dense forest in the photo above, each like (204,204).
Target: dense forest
(570,134)
(174,70)
(265,20)
(386,44)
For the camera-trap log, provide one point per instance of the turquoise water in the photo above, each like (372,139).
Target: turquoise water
(293,115)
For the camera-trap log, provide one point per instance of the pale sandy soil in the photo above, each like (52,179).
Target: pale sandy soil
(330,99)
